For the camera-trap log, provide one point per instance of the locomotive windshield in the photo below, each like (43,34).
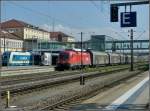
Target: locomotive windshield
(64,56)
(5,55)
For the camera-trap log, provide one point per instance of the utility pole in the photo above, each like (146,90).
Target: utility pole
(0,58)
(4,43)
(131,46)
(53,24)
(81,49)
(149,64)
(82,79)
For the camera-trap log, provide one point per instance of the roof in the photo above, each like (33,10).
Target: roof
(13,23)
(9,35)
(75,49)
(56,34)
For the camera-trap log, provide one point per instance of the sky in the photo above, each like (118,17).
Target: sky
(73,17)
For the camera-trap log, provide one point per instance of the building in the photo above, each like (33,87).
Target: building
(98,42)
(10,42)
(61,37)
(25,30)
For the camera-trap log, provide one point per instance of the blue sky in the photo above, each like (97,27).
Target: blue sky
(75,16)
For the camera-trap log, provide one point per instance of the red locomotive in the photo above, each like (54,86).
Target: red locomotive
(72,59)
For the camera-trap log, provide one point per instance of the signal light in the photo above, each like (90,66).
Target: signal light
(114,13)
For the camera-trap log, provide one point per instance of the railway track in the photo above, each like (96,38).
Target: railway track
(35,85)
(9,80)
(34,77)
(63,102)
(14,68)
(66,103)
(42,80)
(17,71)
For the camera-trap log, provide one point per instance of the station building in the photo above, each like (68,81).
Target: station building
(25,30)
(35,38)
(30,34)
(61,37)
(96,43)
(39,45)
(10,42)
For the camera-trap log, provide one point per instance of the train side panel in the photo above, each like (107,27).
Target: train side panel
(122,59)
(100,58)
(19,58)
(114,58)
(72,59)
(75,59)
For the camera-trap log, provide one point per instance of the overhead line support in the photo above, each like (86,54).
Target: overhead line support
(131,3)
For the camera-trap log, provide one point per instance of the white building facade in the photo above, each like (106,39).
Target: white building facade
(9,42)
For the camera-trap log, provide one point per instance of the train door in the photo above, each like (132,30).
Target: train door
(54,59)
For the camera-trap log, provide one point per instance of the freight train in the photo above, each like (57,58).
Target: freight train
(73,59)
(68,59)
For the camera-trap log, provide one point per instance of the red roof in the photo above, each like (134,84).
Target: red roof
(6,34)
(13,24)
(56,34)
(17,23)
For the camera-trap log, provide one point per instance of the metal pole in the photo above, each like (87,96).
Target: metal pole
(4,43)
(0,58)
(123,48)
(81,77)
(32,52)
(8,99)
(131,46)
(81,51)
(149,63)
(40,46)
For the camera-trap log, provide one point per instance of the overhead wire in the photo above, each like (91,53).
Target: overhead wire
(97,7)
(140,35)
(44,14)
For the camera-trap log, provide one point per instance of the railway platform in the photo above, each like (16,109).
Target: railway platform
(130,95)
(13,109)
(21,70)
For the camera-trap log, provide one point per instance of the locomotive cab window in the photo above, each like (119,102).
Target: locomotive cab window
(64,56)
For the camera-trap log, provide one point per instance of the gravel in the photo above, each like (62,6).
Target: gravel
(36,100)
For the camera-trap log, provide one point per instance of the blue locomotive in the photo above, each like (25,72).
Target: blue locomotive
(16,58)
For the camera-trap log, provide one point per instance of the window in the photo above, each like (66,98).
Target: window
(64,56)
(26,36)
(18,44)
(10,44)
(2,42)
